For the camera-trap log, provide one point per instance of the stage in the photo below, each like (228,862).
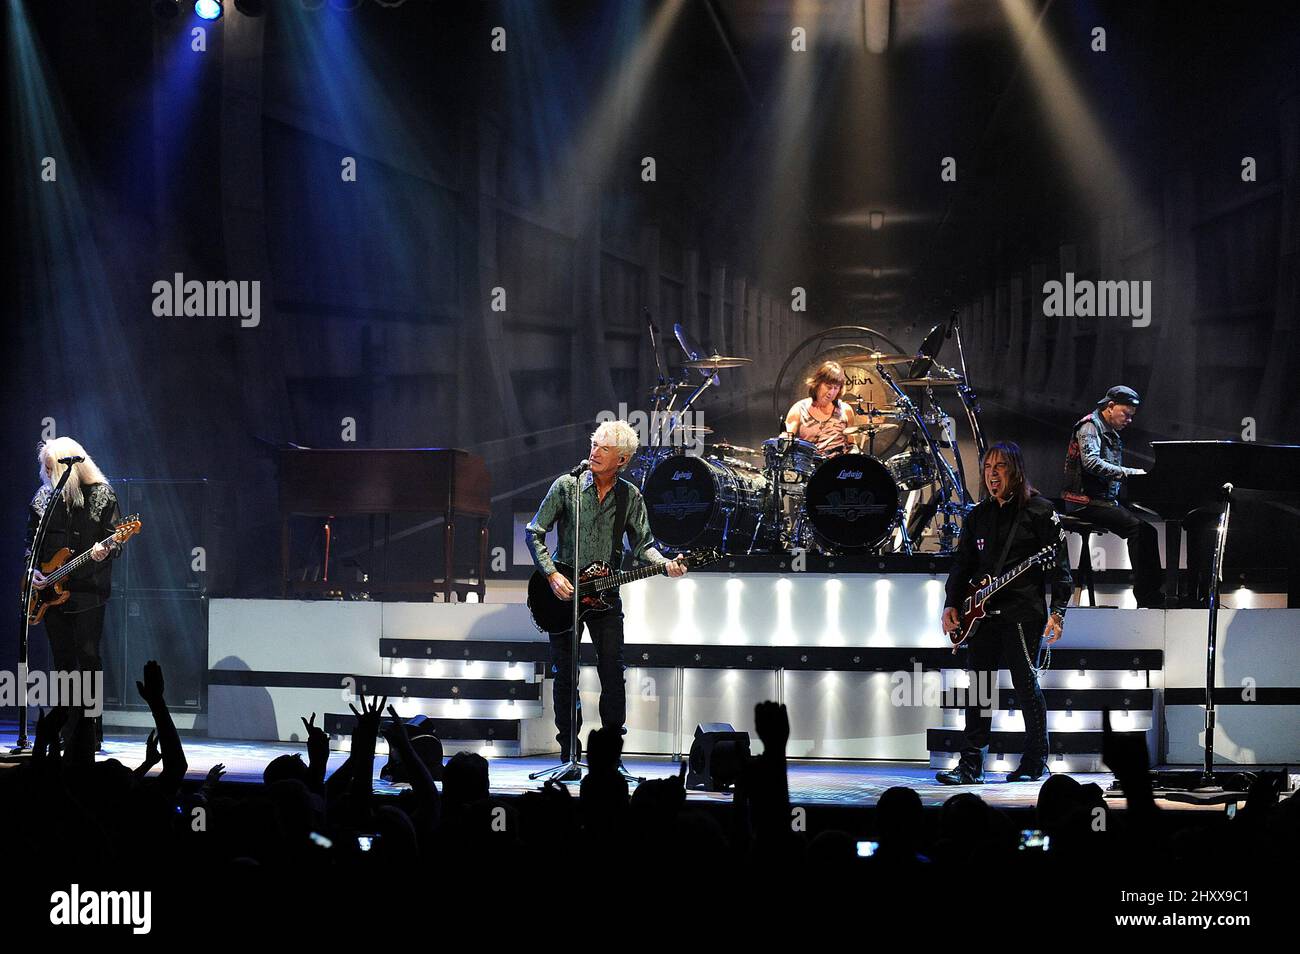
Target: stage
(820,783)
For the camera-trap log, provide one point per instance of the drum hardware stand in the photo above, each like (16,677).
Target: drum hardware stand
(955,495)
(966,393)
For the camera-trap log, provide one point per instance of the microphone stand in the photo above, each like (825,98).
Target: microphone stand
(23,743)
(575,703)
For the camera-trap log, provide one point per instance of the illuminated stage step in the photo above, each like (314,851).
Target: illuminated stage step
(1083,700)
(714,656)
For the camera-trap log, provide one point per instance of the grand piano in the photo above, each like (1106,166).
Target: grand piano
(429,480)
(1185,485)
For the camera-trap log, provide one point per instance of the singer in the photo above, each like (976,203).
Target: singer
(84,514)
(606,518)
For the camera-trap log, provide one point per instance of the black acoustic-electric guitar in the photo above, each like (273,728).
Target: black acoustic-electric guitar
(554,615)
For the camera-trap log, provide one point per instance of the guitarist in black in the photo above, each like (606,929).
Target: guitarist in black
(1009,524)
(84,514)
(611,508)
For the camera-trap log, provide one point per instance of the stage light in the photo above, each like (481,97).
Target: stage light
(208,9)
(166,9)
(876,220)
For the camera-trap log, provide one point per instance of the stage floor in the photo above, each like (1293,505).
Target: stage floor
(844,784)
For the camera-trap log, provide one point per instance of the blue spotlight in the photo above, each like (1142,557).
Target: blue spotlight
(208,9)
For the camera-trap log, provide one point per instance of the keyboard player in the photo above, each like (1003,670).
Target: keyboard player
(1094,472)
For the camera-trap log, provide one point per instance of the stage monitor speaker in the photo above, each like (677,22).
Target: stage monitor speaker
(173,629)
(717,757)
(171,553)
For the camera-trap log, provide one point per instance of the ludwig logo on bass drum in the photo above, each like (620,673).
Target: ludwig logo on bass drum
(849,475)
(682,475)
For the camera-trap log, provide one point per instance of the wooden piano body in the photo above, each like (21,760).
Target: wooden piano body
(444,482)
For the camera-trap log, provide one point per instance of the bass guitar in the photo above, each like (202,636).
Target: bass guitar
(971,608)
(554,615)
(63,564)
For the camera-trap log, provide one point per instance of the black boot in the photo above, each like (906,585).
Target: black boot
(967,772)
(1029,771)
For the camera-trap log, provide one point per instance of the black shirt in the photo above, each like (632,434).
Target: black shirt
(79,530)
(983,536)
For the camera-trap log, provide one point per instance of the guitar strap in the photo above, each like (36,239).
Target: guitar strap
(1006,547)
(620,519)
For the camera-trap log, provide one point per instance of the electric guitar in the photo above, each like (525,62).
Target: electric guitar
(971,608)
(554,615)
(60,567)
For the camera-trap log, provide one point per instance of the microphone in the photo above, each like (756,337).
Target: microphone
(69,461)
(585,465)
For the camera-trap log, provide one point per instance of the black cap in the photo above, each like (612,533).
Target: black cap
(1120,395)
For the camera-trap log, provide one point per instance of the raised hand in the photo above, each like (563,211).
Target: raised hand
(318,743)
(395,732)
(214,776)
(1125,754)
(368,718)
(151,690)
(772,723)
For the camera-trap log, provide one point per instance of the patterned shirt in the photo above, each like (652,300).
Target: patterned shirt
(597,527)
(827,435)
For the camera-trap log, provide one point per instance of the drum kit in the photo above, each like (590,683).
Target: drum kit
(785,494)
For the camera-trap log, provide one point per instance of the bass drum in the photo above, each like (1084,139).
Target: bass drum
(851,502)
(694,502)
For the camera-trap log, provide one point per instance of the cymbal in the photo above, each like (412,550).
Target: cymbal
(694,429)
(929,382)
(881,357)
(714,362)
(735,449)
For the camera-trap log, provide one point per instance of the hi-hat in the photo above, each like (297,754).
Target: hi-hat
(683,387)
(714,362)
(929,382)
(735,449)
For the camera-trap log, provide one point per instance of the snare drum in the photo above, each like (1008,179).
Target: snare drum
(791,459)
(851,502)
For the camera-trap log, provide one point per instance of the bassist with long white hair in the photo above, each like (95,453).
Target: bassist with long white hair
(85,513)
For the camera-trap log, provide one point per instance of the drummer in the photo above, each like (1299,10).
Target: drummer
(821,417)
